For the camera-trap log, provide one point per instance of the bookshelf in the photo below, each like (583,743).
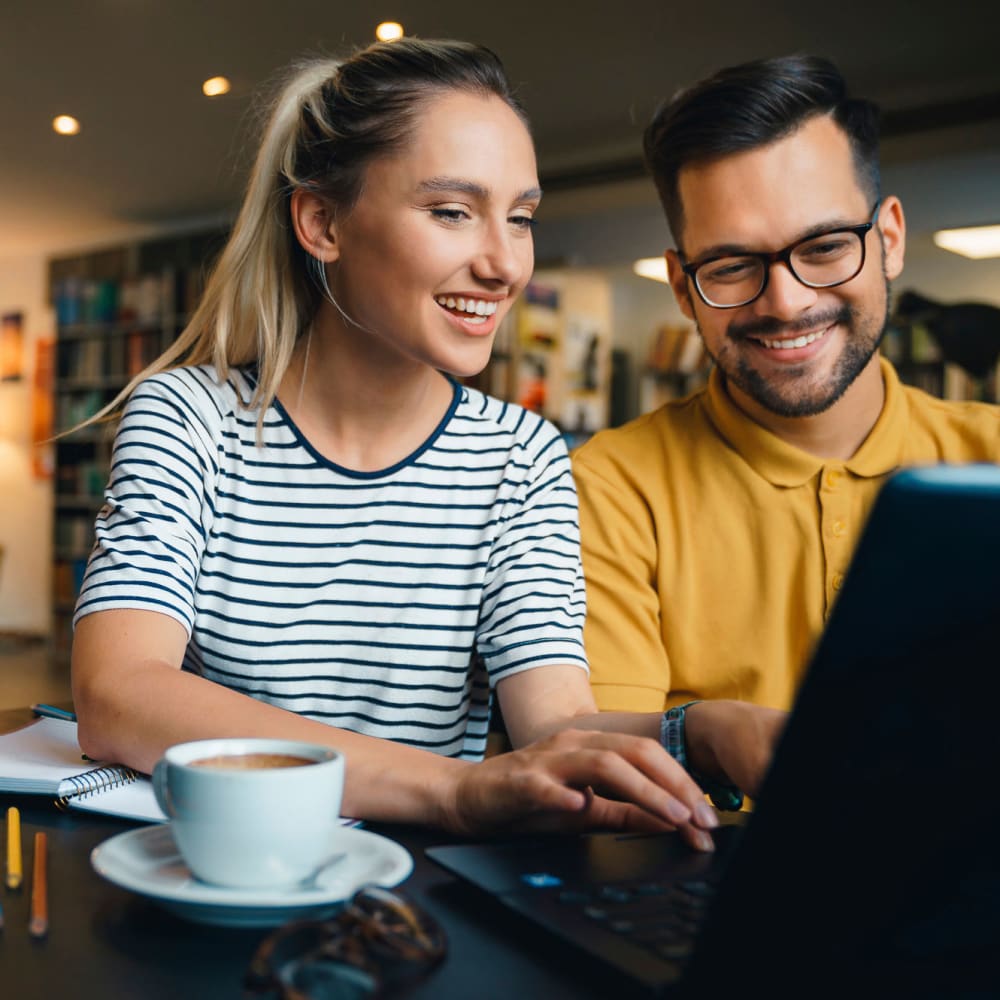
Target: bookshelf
(921,362)
(116,311)
(676,365)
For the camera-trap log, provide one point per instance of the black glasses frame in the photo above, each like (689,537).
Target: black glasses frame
(377,938)
(784,256)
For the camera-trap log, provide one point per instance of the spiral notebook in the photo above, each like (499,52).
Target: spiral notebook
(44,758)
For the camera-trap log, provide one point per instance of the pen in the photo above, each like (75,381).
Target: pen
(52,712)
(14,873)
(38,925)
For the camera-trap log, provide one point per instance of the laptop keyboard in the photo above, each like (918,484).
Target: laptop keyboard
(661,917)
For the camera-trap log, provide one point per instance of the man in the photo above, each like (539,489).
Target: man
(717,530)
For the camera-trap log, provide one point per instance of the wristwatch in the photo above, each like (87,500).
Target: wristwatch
(725,797)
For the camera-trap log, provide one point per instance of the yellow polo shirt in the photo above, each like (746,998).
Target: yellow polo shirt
(713,550)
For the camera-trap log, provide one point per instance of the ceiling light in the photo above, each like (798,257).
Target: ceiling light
(652,267)
(389,31)
(66,125)
(215,86)
(976,242)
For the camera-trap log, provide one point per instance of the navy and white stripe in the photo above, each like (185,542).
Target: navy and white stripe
(387,603)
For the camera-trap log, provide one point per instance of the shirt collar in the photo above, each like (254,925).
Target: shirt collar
(781,463)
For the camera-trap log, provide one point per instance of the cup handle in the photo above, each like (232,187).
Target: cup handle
(160,789)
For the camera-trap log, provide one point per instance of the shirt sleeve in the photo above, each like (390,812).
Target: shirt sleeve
(534,603)
(150,534)
(630,670)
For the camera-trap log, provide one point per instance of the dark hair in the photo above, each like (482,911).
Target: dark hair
(747,106)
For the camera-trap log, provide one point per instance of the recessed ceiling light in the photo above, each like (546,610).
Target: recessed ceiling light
(215,86)
(389,31)
(652,267)
(977,242)
(66,125)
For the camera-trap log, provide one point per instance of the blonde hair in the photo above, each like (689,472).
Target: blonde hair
(328,121)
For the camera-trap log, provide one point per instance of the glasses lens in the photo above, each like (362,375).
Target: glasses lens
(730,281)
(327,980)
(829,259)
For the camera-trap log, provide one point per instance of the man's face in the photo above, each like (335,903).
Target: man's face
(794,350)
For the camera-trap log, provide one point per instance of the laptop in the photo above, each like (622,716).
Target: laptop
(871,862)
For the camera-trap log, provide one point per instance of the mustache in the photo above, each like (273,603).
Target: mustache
(769,326)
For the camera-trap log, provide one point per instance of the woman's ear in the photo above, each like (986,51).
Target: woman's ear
(315,230)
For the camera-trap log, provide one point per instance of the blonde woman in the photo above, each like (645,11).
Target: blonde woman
(314,531)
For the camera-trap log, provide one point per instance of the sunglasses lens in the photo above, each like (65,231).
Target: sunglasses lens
(325,980)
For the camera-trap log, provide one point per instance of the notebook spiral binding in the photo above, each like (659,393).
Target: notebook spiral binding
(98,779)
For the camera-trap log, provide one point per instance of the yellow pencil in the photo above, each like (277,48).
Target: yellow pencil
(14,872)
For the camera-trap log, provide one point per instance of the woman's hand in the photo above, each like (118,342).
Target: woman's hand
(732,741)
(581,780)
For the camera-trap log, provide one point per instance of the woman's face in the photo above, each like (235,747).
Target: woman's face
(439,243)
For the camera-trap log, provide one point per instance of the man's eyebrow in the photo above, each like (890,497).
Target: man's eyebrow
(739,249)
(445,185)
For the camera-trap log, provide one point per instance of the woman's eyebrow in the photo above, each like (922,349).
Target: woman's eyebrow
(458,184)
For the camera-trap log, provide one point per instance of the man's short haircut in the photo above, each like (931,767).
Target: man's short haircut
(751,105)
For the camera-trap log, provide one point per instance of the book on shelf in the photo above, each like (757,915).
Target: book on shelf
(44,758)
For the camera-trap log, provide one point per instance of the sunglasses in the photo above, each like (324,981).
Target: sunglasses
(378,940)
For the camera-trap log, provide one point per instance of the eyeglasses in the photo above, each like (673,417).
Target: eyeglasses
(378,938)
(822,260)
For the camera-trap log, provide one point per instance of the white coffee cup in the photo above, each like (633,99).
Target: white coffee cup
(252,813)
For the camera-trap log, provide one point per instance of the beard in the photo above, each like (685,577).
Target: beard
(797,394)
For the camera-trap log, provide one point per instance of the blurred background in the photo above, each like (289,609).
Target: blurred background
(105,233)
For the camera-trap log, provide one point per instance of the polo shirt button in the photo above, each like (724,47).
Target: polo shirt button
(838,527)
(838,581)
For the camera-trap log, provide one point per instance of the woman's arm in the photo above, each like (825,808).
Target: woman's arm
(133,701)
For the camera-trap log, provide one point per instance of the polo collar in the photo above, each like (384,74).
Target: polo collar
(782,464)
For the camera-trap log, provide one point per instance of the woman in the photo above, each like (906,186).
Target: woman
(334,539)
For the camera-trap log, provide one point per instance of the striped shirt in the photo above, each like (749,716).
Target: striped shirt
(389,602)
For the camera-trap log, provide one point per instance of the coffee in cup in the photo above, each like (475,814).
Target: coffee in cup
(251,761)
(252,813)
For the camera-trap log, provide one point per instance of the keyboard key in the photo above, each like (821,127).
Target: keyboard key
(574,897)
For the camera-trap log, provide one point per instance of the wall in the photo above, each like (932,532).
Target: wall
(25,501)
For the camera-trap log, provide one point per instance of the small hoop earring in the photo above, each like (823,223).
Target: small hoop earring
(324,287)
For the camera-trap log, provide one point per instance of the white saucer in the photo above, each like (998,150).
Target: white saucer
(147,861)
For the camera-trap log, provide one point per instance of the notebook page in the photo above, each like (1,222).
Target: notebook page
(40,757)
(132,801)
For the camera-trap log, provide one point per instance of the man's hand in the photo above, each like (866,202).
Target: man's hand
(732,741)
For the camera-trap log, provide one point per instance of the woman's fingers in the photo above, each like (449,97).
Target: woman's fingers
(584,780)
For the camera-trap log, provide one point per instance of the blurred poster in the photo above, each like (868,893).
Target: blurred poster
(43,458)
(11,347)
(538,335)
